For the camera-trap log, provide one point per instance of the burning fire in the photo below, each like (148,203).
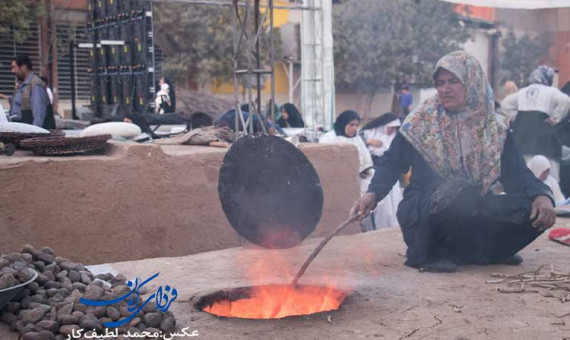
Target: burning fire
(279,301)
(264,299)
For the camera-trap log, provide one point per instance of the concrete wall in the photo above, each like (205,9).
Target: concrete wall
(142,201)
(478,46)
(555,21)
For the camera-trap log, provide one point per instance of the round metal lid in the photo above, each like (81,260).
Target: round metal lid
(269,191)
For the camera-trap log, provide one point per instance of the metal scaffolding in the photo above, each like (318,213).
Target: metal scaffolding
(247,35)
(249,19)
(317,86)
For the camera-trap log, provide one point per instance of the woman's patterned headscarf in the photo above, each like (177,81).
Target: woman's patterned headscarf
(542,75)
(466,147)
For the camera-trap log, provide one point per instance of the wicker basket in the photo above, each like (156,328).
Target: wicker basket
(16,137)
(54,146)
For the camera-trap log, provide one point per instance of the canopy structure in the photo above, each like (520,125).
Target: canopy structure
(317,72)
(515,4)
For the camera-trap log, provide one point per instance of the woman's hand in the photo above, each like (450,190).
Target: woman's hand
(362,207)
(364,174)
(374,142)
(542,214)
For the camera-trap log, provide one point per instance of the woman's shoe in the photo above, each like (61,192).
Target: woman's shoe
(440,265)
(514,260)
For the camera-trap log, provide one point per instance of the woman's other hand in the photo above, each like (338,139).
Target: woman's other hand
(374,142)
(363,206)
(365,173)
(542,214)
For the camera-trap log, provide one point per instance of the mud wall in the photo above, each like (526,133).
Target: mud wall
(141,201)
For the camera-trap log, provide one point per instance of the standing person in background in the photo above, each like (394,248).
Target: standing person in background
(50,112)
(534,112)
(510,88)
(48,89)
(395,106)
(406,101)
(171,92)
(30,102)
(162,103)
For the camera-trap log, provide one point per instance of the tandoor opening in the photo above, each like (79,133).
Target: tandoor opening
(272,301)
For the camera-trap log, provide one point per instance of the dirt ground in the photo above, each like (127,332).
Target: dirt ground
(389,300)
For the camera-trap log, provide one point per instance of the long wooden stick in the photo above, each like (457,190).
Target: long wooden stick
(320,246)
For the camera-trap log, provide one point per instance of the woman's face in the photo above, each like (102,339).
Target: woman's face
(284,114)
(351,128)
(544,175)
(450,90)
(161,81)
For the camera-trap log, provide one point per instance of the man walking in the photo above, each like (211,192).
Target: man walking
(406,100)
(30,102)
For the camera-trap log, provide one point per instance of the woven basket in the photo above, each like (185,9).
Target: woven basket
(16,137)
(53,146)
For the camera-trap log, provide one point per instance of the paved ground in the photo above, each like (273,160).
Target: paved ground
(389,300)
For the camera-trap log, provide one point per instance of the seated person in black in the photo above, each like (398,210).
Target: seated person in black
(457,147)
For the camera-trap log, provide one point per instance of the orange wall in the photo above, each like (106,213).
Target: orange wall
(485,13)
(280,17)
(561,55)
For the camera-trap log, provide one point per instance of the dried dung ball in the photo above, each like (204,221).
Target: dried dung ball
(69,329)
(48,325)
(152,319)
(29,249)
(8,280)
(168,324)
(32,315)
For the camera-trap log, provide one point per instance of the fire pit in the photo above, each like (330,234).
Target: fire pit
(272,301)
(273,214)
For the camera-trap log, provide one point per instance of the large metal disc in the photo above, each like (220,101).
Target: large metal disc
(269,191)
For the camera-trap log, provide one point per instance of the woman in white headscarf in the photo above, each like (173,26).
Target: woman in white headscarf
(378,134)
(162,100)
(540,167)
(345,132)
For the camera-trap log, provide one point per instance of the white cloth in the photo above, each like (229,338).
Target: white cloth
(3,117)
(380,133)
(364,158)
(538,164)
(554,166)
(119,130)
(537,97)
(385,212)
(50,95)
